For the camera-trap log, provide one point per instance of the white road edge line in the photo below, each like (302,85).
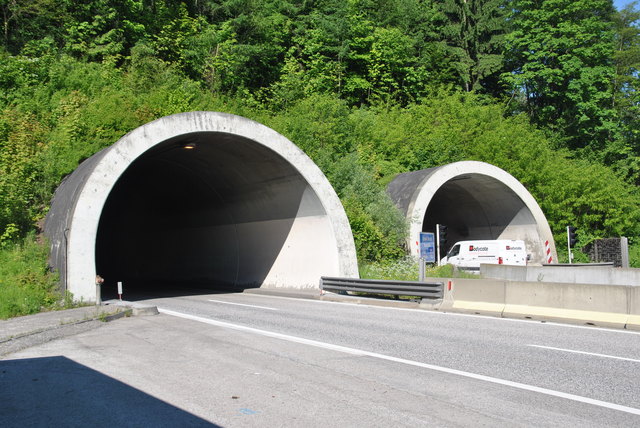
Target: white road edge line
(360,352)
(585,353)
(243,304)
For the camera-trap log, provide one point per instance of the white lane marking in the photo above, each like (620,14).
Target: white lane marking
(585,353)
(242,304)
(360,352)
(455,314)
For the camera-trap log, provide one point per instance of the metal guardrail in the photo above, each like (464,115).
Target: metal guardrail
(430,290)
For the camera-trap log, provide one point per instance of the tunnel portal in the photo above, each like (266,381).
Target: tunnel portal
(475,201)
(200,199)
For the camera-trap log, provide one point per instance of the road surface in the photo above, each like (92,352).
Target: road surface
(237,360)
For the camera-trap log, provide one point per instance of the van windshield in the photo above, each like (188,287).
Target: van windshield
(454,251)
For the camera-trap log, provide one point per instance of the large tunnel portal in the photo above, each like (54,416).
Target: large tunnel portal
(198,200)
(210,210)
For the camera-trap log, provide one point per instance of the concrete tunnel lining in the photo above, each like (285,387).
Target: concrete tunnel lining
(475,200)
(245,208)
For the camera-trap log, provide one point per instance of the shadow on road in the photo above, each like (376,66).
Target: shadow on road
(56,391)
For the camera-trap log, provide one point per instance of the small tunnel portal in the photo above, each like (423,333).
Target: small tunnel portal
(476,201)
(198,200)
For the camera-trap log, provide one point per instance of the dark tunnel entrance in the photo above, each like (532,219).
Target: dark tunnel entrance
(476,207)
(204,210)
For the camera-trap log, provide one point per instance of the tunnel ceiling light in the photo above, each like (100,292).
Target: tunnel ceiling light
(189,146)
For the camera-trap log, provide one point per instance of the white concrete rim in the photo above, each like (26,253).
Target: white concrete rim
(433,182)
(92,198)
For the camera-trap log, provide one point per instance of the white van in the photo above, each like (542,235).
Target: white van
(469,255)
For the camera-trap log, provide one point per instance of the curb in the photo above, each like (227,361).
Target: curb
(117,315)
(134,309)
(90,314)
(370,301)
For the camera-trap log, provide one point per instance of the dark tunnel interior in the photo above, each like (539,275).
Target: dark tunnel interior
(206,210)
(474,207)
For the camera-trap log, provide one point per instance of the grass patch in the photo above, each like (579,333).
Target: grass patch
(408,269)
(405,269)
(448,271)
(26,284)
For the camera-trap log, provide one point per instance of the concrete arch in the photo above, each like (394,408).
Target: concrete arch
(199,197)
(475,200)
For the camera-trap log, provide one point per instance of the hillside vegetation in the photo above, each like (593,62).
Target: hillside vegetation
(368,89)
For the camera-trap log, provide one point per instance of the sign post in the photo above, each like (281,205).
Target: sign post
(99,282)
(427,251)
(572,239)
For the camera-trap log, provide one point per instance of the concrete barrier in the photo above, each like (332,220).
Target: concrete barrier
(633,322)
(479,296)
(592,304)
(600,305)
(579,274)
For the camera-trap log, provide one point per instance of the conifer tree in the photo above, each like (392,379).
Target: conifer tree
(474,30)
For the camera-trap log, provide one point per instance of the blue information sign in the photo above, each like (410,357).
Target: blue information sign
(427,247)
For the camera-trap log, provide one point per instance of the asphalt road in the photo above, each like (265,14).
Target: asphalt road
(254,360)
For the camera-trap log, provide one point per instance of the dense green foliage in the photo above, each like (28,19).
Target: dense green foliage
(26,285)
(546,90)
(562,65)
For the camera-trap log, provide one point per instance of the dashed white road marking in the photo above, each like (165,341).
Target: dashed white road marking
(585,353)
(243,304)
(454,314)
(360,352)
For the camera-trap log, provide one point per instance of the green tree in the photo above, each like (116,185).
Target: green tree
(561,68)
(28,20)
(626,92)
(104,29)
(474,30)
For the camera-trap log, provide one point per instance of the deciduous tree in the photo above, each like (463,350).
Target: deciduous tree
(561,67)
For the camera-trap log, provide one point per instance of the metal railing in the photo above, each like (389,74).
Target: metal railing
(429,290)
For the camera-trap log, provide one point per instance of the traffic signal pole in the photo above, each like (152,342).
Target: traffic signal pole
(438,243)
(441,238)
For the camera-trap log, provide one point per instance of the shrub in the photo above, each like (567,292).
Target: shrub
(26,284)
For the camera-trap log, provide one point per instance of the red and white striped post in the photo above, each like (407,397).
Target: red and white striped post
(547,250)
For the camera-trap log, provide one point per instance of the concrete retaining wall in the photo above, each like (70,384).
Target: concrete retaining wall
(580,274)
(596,304)
(606,306)
(633,322)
